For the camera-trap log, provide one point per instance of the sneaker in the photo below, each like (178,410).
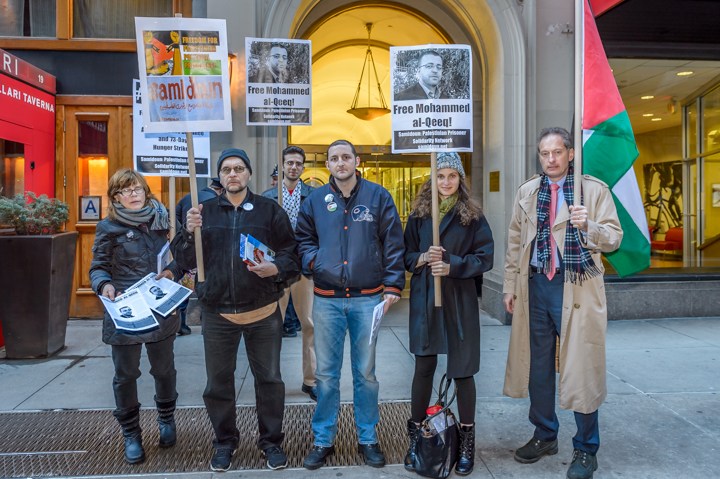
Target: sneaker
(184,330)
(221,460)
(317,456)
(583,465)
(310,391)
(372,454)
(535,449)
(276,458)
(289,333)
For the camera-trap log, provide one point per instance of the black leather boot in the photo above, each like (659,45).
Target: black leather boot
(166,423)
(466,457)
(129,420)
(413,430)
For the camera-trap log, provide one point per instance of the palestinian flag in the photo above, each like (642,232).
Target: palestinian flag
(609,151)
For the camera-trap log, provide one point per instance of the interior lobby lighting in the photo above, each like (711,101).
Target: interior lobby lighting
(369,112)
(647,97)
(648,114)
(655,119)
(684,74)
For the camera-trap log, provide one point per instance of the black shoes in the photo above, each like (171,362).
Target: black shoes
(466,458)
(583,465)
(413,431)
(276,458)
(372,454)
(310,391)
(134,452)
(184,330)
(317,456)
(535,449)
(221,460)
(289,333)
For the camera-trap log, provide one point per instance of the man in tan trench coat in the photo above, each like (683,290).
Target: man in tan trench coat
(554,288)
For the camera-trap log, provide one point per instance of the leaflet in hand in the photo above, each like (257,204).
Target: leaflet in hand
(162,295)
(252,250)
(130,312)
(377,316)
(164,257)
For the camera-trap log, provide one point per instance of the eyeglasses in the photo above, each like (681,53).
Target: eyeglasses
(226,170)
(129,191)
(433,66)
(547,154)
(297,164)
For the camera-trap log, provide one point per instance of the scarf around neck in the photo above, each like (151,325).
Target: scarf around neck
(154,211)
(576,260)
(447,204)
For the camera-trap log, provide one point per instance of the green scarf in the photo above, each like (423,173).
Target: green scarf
(447,204)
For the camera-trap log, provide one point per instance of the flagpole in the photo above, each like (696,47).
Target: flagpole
(579,66)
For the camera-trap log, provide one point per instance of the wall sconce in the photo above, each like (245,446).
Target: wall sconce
(231,62)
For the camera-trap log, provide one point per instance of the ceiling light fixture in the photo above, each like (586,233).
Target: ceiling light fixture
(647,97)
(655,119)
(684,74)
(648,114)
(368,112)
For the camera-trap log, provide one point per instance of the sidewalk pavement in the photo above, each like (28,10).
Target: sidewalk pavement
(660,419)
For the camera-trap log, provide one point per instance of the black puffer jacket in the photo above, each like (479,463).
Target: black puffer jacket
(229,287)
(122,255)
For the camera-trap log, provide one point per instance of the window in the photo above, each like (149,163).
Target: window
(27,18)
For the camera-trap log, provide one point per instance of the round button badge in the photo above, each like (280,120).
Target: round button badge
(248,206)
(328,198)
(332,207)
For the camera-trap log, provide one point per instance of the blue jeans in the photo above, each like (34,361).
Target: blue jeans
(333,317)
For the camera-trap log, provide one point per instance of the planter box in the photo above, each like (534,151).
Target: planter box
(35,285)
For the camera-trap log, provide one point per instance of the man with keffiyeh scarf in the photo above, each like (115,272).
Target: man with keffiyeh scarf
(554,289)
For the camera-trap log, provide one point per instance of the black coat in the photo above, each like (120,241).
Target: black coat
(123,255)
(453,329)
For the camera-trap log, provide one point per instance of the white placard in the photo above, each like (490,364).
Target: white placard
(431,98)
(165,154)
(183,65)
(279,81)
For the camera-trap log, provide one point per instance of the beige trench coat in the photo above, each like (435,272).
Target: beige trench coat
(582,385)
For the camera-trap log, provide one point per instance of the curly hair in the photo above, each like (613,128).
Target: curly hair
(467,208)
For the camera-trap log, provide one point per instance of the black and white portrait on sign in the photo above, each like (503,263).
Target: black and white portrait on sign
(278,61)
(279,80)
(431,98)
(431,72)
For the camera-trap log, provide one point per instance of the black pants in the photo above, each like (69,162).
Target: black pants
(263,340)
(126,359)
(546,305)
(422,391)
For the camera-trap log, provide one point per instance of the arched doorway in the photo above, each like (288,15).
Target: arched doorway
(340,41)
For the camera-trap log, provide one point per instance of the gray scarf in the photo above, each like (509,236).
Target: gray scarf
(154,211)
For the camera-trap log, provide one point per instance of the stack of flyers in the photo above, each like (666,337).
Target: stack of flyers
(253,251)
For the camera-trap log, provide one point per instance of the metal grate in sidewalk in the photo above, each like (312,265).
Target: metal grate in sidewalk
(79,443)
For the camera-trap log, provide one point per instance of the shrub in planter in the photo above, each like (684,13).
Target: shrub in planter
(30,214)
(37,271)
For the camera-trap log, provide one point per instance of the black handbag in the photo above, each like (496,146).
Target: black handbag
(438,441)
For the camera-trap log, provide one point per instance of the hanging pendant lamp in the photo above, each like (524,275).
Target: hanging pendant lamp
(368,112)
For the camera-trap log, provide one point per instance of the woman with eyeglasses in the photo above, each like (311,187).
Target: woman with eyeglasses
(127,243)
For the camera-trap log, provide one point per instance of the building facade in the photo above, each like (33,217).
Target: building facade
(522,61)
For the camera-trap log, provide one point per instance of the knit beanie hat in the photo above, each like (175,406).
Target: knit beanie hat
(450,159)
(234,152)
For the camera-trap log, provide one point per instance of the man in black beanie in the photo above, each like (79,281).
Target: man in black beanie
(240,300)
